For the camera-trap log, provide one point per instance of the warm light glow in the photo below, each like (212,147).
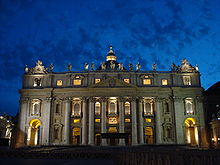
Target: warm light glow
(112,130)
(97,120)
(112,120)
(164,82)
(76,131)
(76,121)
(127,120)
(76,82)
(109,58)
(35,123)
(147,120)
(59,82)
(147,81)
(127,80)
(97,80)
(149,131)
(127,108)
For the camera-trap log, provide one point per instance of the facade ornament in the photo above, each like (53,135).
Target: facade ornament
(51,68)
(138,66)
(187,67)
(39,68)
(92,66)
(120,66)
(197,68)
(86,66)
(69,67)
(112,65)
(154,67)
(103,66)
(26,69)
(130,66)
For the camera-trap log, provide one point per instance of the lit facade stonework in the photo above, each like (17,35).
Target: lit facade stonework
(111,105)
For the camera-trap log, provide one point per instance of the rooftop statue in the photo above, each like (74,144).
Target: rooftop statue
(69,67)
(138,66)
(187,67)
(86,66)
(154,67)
(39,68)
(51,68)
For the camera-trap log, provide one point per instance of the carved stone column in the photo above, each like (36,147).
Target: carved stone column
(140,122)
(23,111)
(91,121)
(103,119)
(158,102)
(179,116)
(46,115)
(121,120)
(134,121)
(84,121)
(67,104)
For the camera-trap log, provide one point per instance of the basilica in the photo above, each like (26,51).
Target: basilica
(111,105)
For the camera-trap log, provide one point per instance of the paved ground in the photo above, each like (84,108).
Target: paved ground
(127,155)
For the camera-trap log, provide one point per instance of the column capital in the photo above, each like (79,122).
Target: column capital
(159,99)
(177,99)
(67,99)
(92,99)
(84,98)
(24,99)
(122,99)
(103,99)
(133,99)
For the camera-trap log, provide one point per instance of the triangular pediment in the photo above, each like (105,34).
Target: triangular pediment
(112,82)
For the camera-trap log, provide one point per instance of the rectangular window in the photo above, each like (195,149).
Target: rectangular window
(97,120)
(186,80)
(59,82)
(189,106)
(147,120)
(164,82)
(127,120)
(97,80)
(76,82)
(127,80)
(147,81)
(76,121)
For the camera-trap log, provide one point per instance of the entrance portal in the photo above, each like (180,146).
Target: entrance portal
(191,131)
(76,135)
(34,132)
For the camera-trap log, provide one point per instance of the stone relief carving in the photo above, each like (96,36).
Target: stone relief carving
(39,68)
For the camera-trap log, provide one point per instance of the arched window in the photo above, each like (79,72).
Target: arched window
(148,108)
(112,109)
(189,106)
(127,108)
(35,108)
(97,108)
(76,110)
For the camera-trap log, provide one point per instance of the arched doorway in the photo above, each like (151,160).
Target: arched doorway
(76,135)
(149,135)
(34,132)
(191,131)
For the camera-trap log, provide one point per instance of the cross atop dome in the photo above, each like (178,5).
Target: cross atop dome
(111,54)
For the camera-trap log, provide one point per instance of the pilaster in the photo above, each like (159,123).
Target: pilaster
(140,121)
(84,121)
(121,119)
(134,121)
(103,119)
(91,121)
(67,104)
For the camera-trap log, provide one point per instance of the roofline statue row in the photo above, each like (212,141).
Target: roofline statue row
(111,65)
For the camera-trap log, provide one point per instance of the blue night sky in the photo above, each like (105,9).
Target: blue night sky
(79,31)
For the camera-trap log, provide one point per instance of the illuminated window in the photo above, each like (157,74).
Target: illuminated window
(148,120)
(127,80)
(97,108)
(97,80)
(112,108)
(127,108)
(76,82)
(112,120)
(36,107)
(59,82)
(37,82)
(97,120)
(112,130)
(147,81)
(164,82)
(76,109)
(186,80)
(189,106)
(127,120)
(148,107)
(76,121)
